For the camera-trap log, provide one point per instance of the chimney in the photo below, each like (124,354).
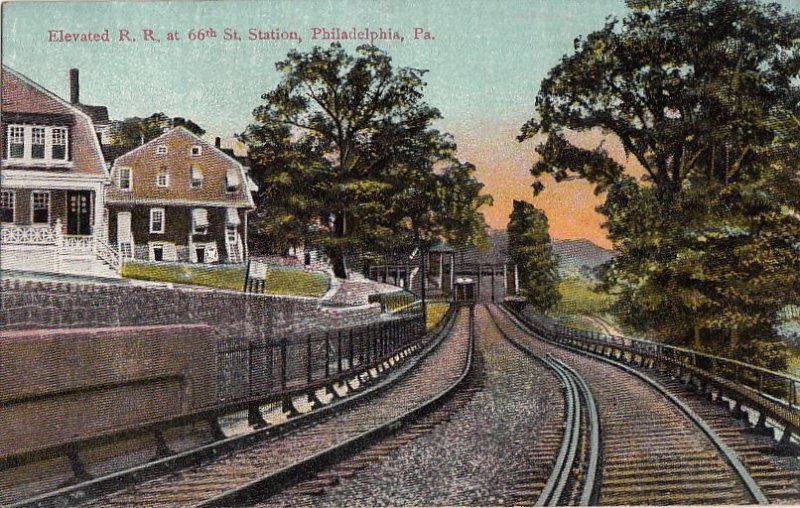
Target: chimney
(217,142)
(74,87)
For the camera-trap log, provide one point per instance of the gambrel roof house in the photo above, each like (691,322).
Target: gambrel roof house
(180,198)
(51,184)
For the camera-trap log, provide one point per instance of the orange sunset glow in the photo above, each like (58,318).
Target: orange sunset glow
(503,165)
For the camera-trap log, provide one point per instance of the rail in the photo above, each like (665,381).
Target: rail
(262,488)
(750,484)
(773,394)
(253,374)
(576,388)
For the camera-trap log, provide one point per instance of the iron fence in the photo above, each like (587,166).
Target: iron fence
(777,387)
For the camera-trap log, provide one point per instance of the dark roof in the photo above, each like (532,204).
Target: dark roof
(98,114)
(111,152)
(441,247)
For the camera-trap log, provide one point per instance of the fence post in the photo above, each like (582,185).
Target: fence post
(350,366)
(250,368)
(327,355)
(283,364)
(339,351)
(308,361)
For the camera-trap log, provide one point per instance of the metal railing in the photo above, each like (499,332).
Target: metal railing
(768,391)
(257,370)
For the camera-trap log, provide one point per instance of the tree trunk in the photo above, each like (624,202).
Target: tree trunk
(336,253)
(734,339)
(697,339)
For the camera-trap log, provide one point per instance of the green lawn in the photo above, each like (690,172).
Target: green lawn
(436,312)
(579,297)
(295,283)
(279,281)
(212,276)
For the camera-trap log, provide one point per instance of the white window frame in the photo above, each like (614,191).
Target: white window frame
(120,170)
(202,230)
(163,228)
(192,180)
(161,150)
(17,134)
(165,174)
(12,196)
(23,134)
(63,141)
(49,205)
(39,137)
(199,149)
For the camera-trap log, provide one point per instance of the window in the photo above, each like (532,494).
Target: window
(200,221)
(231,180)
(7,206)
(162,178)
(40,212)
(125,179)
(196,150)
(59,143)
(37,143)
(16,141)
(156,220)
(161,150)
(158,252)
(197,177)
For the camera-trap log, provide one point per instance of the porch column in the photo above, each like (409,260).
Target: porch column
(505,279)
(441,271)
(452,271)
(516,280)
(99,228)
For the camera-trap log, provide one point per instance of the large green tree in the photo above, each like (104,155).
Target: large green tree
(350,159)
(701,95)
(531,249)
(135,131)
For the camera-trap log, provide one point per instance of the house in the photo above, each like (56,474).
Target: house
(52,179)
(179,198)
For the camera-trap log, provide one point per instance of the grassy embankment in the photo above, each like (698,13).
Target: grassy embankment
(279,280)
(582,307)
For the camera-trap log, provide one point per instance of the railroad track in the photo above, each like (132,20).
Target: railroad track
(249,473)
(441,460)
(660,445)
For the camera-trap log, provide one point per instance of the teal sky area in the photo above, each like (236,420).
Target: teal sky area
(486,61)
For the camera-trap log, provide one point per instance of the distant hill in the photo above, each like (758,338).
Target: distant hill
(580,256)
(576,257)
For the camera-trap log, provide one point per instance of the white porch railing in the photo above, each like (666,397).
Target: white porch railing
(30,235)
(12,234)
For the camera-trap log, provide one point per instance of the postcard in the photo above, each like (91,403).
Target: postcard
(399,253)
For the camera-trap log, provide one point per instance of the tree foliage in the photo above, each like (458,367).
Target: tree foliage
(703,95)
(136,131)
(531,249)
(344,143)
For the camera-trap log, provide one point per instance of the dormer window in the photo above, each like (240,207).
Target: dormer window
(37,143)
(231,180)
(197,177)
(161,150)
(59,143)
(16,141)
(162,178)
(196,150)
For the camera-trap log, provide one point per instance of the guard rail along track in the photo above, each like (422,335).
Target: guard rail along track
(289,475)
(363,361)
(568,465)
(771,395)
(752,488)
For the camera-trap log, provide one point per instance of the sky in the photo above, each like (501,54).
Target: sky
(486,59)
